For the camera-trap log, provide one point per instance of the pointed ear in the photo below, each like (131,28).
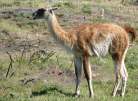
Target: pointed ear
(55,8)
(52,9)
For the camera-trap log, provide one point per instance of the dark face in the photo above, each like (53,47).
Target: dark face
(40,13)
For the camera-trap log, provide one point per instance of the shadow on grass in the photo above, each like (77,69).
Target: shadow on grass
(50,90)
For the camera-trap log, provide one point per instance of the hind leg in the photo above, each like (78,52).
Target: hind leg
(121,72)
(124,74)
(124,79)
(121,78)
(117,78)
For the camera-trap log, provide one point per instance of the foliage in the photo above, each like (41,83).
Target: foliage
(87,8)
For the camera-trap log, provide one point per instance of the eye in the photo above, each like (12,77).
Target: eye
(51,11)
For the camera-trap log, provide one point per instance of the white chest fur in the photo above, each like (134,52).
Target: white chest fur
(102,48)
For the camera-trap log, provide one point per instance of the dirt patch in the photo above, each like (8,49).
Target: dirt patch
(55,75)
(51,75)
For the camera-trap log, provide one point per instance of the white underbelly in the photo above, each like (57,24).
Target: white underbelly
(101,48)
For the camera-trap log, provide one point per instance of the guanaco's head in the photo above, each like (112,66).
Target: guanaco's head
(43,13)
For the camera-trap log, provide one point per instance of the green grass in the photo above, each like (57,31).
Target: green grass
(24,3)
(54,92)
(20,24)
(87,8)
(11,88)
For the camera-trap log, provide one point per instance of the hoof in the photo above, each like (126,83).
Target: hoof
(76,95)
(91,96)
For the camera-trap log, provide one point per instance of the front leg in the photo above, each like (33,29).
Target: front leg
(88,73)
(78,72)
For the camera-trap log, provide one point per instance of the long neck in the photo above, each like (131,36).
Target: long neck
(65,38)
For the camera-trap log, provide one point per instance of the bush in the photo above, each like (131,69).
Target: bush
(86,8)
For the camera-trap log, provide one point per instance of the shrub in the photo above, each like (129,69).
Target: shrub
(86,8)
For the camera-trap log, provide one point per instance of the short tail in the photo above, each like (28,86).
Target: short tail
(131,31)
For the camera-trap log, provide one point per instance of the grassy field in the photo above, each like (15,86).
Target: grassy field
(36,68)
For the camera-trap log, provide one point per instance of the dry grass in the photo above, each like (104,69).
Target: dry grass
(21,29)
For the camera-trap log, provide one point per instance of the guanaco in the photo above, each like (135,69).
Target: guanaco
(93,39)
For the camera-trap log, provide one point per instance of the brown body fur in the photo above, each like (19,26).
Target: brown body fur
(98,33)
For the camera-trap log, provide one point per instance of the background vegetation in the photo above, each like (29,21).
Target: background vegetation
(33,67)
